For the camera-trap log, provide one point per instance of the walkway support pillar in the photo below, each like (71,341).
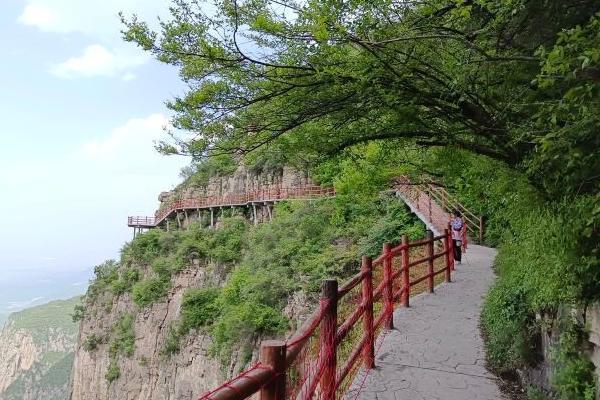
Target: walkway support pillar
(272,354)
(447,250)
(430,260)
(329,297)
(405,296)
(367,303)
(388,292)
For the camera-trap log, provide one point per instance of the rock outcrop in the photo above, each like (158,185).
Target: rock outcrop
(148,374)
(243,180)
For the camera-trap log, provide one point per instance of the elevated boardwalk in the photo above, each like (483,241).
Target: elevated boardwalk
(435,350)
(266,195)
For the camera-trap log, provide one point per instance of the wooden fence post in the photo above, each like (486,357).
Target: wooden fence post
(272,354)
(388,292)
(329,294)
(447,250)
(367,303)
(405,298)
(430,260)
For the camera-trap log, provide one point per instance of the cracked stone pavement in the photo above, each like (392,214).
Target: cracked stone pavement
(435,351)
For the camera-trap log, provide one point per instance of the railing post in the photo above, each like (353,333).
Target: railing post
(367,303)
(329,294)
(405,298)
(430,259)
(388,292)
(447,250)
(272,354)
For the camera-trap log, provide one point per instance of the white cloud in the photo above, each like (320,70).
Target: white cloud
(98,19)
(133,139)
(97,60)
(37,15)
(100,23)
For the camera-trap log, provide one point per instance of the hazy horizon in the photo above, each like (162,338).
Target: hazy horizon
(81,110)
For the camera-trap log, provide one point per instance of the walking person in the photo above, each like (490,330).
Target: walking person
(458,232)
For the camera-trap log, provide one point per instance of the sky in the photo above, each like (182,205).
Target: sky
(80,110)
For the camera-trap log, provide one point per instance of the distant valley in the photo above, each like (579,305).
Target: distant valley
(36,352)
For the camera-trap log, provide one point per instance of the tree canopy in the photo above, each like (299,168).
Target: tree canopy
(515,80)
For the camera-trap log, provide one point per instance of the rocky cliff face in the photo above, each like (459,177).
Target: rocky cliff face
(36,352)
(241,181)
(148,373)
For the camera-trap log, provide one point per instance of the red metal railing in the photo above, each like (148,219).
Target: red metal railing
(265,194)
(322,358)
(437,205)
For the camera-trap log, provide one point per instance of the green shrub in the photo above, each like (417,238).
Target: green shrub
(91,342)
(150,290)
(171,345)
(161,266)
(199,308)
(104,275)
(145,247)
(122,341)
(113,372)
(127,278)
(397,221)
(78,313)
(574,376)
(509,328)
(226,242)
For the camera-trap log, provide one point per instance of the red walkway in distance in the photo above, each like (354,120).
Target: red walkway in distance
(267,194)
(434,206)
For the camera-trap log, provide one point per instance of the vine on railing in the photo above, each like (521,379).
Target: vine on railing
(323,357)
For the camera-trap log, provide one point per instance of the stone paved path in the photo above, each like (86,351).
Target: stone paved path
(435,351)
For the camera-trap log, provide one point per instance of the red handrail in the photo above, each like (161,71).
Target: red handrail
(323,377)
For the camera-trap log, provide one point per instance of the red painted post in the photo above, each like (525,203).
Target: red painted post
(447,250)
(272,354)
(329,294)
(367,303)
(430,260)
(405,298)
(388,293)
